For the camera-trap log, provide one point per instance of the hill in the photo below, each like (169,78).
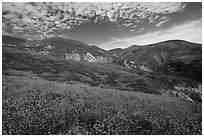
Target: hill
(61,47)
(95,74)
(116,51)
(159,53)
(58,69)
(40,107)
(159,56)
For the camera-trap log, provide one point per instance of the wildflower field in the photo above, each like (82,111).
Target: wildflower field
(38,106)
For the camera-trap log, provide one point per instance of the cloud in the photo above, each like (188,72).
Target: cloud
(189,31)
(116,39)
(164,7)
(162,20)
(127,24)
(74,14)
(141,29)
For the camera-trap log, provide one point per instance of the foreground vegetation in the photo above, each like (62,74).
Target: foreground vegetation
(31,105)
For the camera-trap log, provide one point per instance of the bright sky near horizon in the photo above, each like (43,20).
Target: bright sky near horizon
(104,24)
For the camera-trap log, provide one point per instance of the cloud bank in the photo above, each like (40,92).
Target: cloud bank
(48,18)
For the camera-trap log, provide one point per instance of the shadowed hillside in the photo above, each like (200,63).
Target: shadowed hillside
(159,53)
(160,56)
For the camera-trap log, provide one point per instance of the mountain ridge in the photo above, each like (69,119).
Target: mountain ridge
(151,58)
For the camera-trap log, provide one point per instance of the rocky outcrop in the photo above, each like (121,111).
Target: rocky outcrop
(145,68)
(73,56)
(185,93)
(44,52)
(89,57)
(176,93)
(194,93)
(49,47)
(101,59)
(131,64)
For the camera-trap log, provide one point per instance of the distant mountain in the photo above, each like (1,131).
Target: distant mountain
(160,56)
(62,43)
(157,54)
(61,47)
(163,57)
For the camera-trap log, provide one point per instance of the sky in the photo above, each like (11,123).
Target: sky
(104,24)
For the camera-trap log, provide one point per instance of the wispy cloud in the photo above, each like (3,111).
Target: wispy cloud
(162,20)
(61,16)
(190,31)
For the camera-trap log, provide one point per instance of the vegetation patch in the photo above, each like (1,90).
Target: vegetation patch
(42,107)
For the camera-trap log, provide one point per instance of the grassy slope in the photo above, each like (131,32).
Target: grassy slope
(37,106)
(95,74)
(151,55)
(62,46)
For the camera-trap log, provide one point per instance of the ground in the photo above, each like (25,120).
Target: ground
(33,105)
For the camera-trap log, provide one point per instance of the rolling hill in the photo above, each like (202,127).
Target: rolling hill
(156,54)
(52,93)
(94,74)
(62,70)
(61,47)
(160,56)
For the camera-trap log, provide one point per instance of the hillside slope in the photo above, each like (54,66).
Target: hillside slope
(160,56)
(116,51)
(37,107)
(95,74)
(159,53)
(61,47)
